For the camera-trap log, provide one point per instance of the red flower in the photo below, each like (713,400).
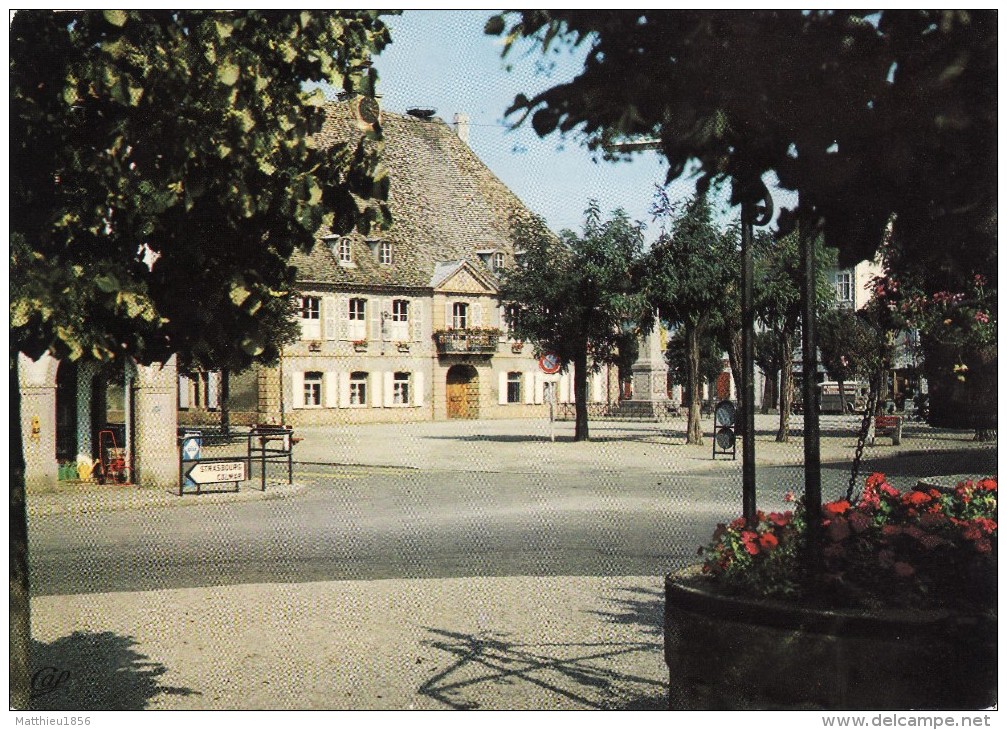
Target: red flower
(738,523)
(984,546)
(989,484)
(750,540)
(839,507)
(788,497)
(888,490)
(781,519)
(768,541)
(915,498)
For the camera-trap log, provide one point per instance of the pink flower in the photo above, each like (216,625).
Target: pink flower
(982,317)
(859,521)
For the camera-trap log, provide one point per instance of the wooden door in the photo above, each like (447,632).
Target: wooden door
(458,400)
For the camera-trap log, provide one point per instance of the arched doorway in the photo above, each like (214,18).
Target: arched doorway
(463,392)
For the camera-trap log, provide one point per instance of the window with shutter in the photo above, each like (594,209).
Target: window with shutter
(418,395)
(184,385)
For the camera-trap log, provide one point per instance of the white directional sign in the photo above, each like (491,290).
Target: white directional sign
(220,471)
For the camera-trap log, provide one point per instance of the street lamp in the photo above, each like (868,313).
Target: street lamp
(756,210)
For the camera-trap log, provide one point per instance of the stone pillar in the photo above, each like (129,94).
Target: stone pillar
(650,378)
(155,419)
(38,421)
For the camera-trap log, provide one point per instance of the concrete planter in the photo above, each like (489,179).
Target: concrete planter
(727,652)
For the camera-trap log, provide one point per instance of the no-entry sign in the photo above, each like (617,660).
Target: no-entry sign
(550,363)
(219,471)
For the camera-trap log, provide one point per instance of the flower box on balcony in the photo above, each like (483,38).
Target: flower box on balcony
(467,341)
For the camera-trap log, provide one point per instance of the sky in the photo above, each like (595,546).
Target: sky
(442,59)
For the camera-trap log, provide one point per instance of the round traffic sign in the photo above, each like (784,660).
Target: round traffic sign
(550,363)
(724,413)
(725,438)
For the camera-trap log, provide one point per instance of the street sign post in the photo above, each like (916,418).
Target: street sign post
(550,363)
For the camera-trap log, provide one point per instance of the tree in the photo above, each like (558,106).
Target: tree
(849,347)
(162,173)
(865,113)
(768,358)
(574,296)
(686,274)
(711,360)
(778,306)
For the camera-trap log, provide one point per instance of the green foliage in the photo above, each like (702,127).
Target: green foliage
(575,295)
(162,173)
(690,277)
(851,348)
(711,359)
(865,113)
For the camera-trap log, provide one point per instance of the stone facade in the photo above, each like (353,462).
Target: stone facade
(405,324)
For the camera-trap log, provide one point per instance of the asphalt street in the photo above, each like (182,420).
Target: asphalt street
(366,523)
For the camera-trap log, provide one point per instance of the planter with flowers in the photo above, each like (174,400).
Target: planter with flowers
(897,611)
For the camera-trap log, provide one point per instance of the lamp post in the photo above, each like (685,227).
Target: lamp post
(756,210)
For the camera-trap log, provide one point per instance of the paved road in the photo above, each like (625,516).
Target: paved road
(371,523)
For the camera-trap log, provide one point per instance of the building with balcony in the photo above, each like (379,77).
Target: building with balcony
(404,324)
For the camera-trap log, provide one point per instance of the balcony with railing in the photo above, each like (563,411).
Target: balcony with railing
(467,341)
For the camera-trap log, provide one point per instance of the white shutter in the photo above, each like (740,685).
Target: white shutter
(597,387)
(416,318)
(502,392)
(329,316)
(529,387)
(298,396)
(344,317)
(477,315)
(564,388)
(183,391)
(539,388)
(448,320)
(389,389)
(497,319)
(374,382)
(374,307)
(330,389)
(572,385)
(418,395)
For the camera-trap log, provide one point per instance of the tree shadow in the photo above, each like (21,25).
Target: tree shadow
(95,671)
(578,672)
(643,607)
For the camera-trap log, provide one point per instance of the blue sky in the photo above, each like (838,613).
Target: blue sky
(442,59)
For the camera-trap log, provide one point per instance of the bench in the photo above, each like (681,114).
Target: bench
(887,426)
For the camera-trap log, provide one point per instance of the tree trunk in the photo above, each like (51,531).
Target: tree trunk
(735,359)
(20,605)
(580,395)
(225,397)
(694,432)
(786,386)
(769,394)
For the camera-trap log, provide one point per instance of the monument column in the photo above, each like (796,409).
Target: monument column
(650,377)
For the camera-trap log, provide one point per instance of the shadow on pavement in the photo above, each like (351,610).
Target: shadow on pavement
(95,671)
(577,673)
(643,607)
(929,462)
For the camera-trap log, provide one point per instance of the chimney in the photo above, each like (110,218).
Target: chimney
(462,127)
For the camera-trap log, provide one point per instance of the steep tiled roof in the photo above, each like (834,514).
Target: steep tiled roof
(446,205)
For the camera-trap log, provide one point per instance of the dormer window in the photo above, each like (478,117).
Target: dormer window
(385,252)
(343,253)
(498,261)
(486,256)
(519,257)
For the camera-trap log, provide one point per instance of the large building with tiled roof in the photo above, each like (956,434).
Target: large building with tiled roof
(405,324)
